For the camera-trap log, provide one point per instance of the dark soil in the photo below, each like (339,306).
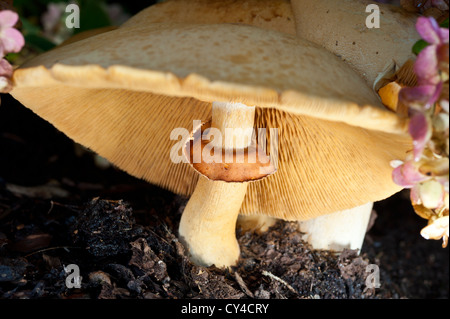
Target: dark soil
(58,208)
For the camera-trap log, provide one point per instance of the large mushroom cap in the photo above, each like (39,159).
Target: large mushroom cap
(340,27)
(267,14)
(122,93)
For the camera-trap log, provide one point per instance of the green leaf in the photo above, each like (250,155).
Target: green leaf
(28,27)
(11,57)
(419,46)
(92,15)
(444,24)
(33,36)
(38,42)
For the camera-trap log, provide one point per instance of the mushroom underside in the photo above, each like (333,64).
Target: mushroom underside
(323,166)
(131,93)
(208,223)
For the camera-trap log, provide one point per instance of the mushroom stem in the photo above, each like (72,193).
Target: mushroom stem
(338,231)
(208,223)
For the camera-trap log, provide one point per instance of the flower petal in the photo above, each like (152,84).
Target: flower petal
(407,175)
(52,16)
(437,229)
(5,68)
(418,97)
(443,35)
(426,65)
(396,163)
(445,105)
(421,131)
(437,93)
(5,84)
(8,19)
(12,40)
(414,195)
(399,179)
(428,28)
(435,167)
(432,194)
(6,71)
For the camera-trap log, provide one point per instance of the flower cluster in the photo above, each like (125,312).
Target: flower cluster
(11,41)
(426,170)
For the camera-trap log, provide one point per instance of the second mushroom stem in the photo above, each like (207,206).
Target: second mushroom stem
(208,223)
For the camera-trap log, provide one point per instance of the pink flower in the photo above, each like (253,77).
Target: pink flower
(421,131)
(6,72)
(421,97)
(407,175)
(11,40)
(52,17)
(430,63)
(427,63)
(425,173)
(430,30)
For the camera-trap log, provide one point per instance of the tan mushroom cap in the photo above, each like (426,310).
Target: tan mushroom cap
(340,27)
(267,14)
(87,34)
(122,93)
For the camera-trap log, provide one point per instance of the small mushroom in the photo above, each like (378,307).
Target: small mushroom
(389,87)
(340,27)
(124,92)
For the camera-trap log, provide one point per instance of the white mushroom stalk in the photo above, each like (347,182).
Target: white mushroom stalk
(338,231)
(208,224)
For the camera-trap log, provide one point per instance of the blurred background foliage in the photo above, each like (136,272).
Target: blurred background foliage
(43,21)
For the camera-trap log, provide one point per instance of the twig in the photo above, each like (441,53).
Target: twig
(66,248)
(243,286)
(272,276)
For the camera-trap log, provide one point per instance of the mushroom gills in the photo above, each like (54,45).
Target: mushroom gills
(208,224)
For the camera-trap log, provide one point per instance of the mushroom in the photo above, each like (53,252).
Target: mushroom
(276,15)
(389,87)
(377,54)
(340,27)
(124,92)
(267,14)
(87,34)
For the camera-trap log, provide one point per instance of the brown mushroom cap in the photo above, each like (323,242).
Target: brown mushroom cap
(267,14)
(340,27)
(121,94)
